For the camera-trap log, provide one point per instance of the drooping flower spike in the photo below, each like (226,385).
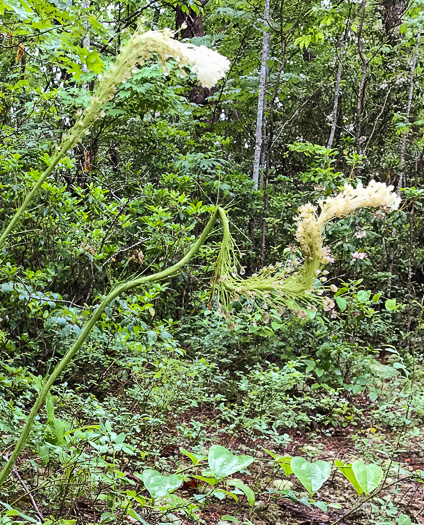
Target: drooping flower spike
(208,65)
(286,285)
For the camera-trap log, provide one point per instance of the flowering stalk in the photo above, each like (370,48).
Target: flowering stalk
(281,286)
(274,286)
(87,329)
(208,65)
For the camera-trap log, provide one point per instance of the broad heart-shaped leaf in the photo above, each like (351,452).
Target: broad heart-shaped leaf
(250,495)
(159,485)
(311,475)
(348,473)
(368,476)
(223,463)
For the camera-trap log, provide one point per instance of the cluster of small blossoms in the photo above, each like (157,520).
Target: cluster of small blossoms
(359,256)
(360,234)
(208,65)
(375,195)
(328,304)
(326,256)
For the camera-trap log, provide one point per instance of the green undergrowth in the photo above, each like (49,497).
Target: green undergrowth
(157,391)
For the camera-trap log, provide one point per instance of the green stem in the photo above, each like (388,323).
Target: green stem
(88,327)
(225,225)
(19,212)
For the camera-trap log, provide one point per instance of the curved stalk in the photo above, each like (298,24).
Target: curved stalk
(89,326)
(138,50)
(55,161)
(285,289)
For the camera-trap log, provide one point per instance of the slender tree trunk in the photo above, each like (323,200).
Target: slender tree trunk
(266,45)
(335,111)
(86,41)
(404,142)
(361,88)
(411,254)
(269,141)
(403,146)
(265,209)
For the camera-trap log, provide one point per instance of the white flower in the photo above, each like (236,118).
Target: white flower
(301,313)
(208,65)
(359,256)
(360,234)
(311,225)
(328,304)
(333,288)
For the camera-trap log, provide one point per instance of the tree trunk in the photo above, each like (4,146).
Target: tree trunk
(335,111)
(401,179)
(411,253)
(189,24)
(86,41)
(268,148)
(392,15)
(266,45)
(361,88)
(403,145)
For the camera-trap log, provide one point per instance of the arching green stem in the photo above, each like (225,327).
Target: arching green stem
(19,212)
(90,324)
(140,47)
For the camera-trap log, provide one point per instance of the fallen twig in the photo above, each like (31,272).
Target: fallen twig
(28,492)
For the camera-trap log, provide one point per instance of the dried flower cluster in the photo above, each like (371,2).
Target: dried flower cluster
(285,285)
(208,65)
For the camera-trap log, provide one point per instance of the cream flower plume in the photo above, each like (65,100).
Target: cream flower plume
(208,65)
(285,285)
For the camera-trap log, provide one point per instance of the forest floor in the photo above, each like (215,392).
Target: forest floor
(400,453)
(345,444)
